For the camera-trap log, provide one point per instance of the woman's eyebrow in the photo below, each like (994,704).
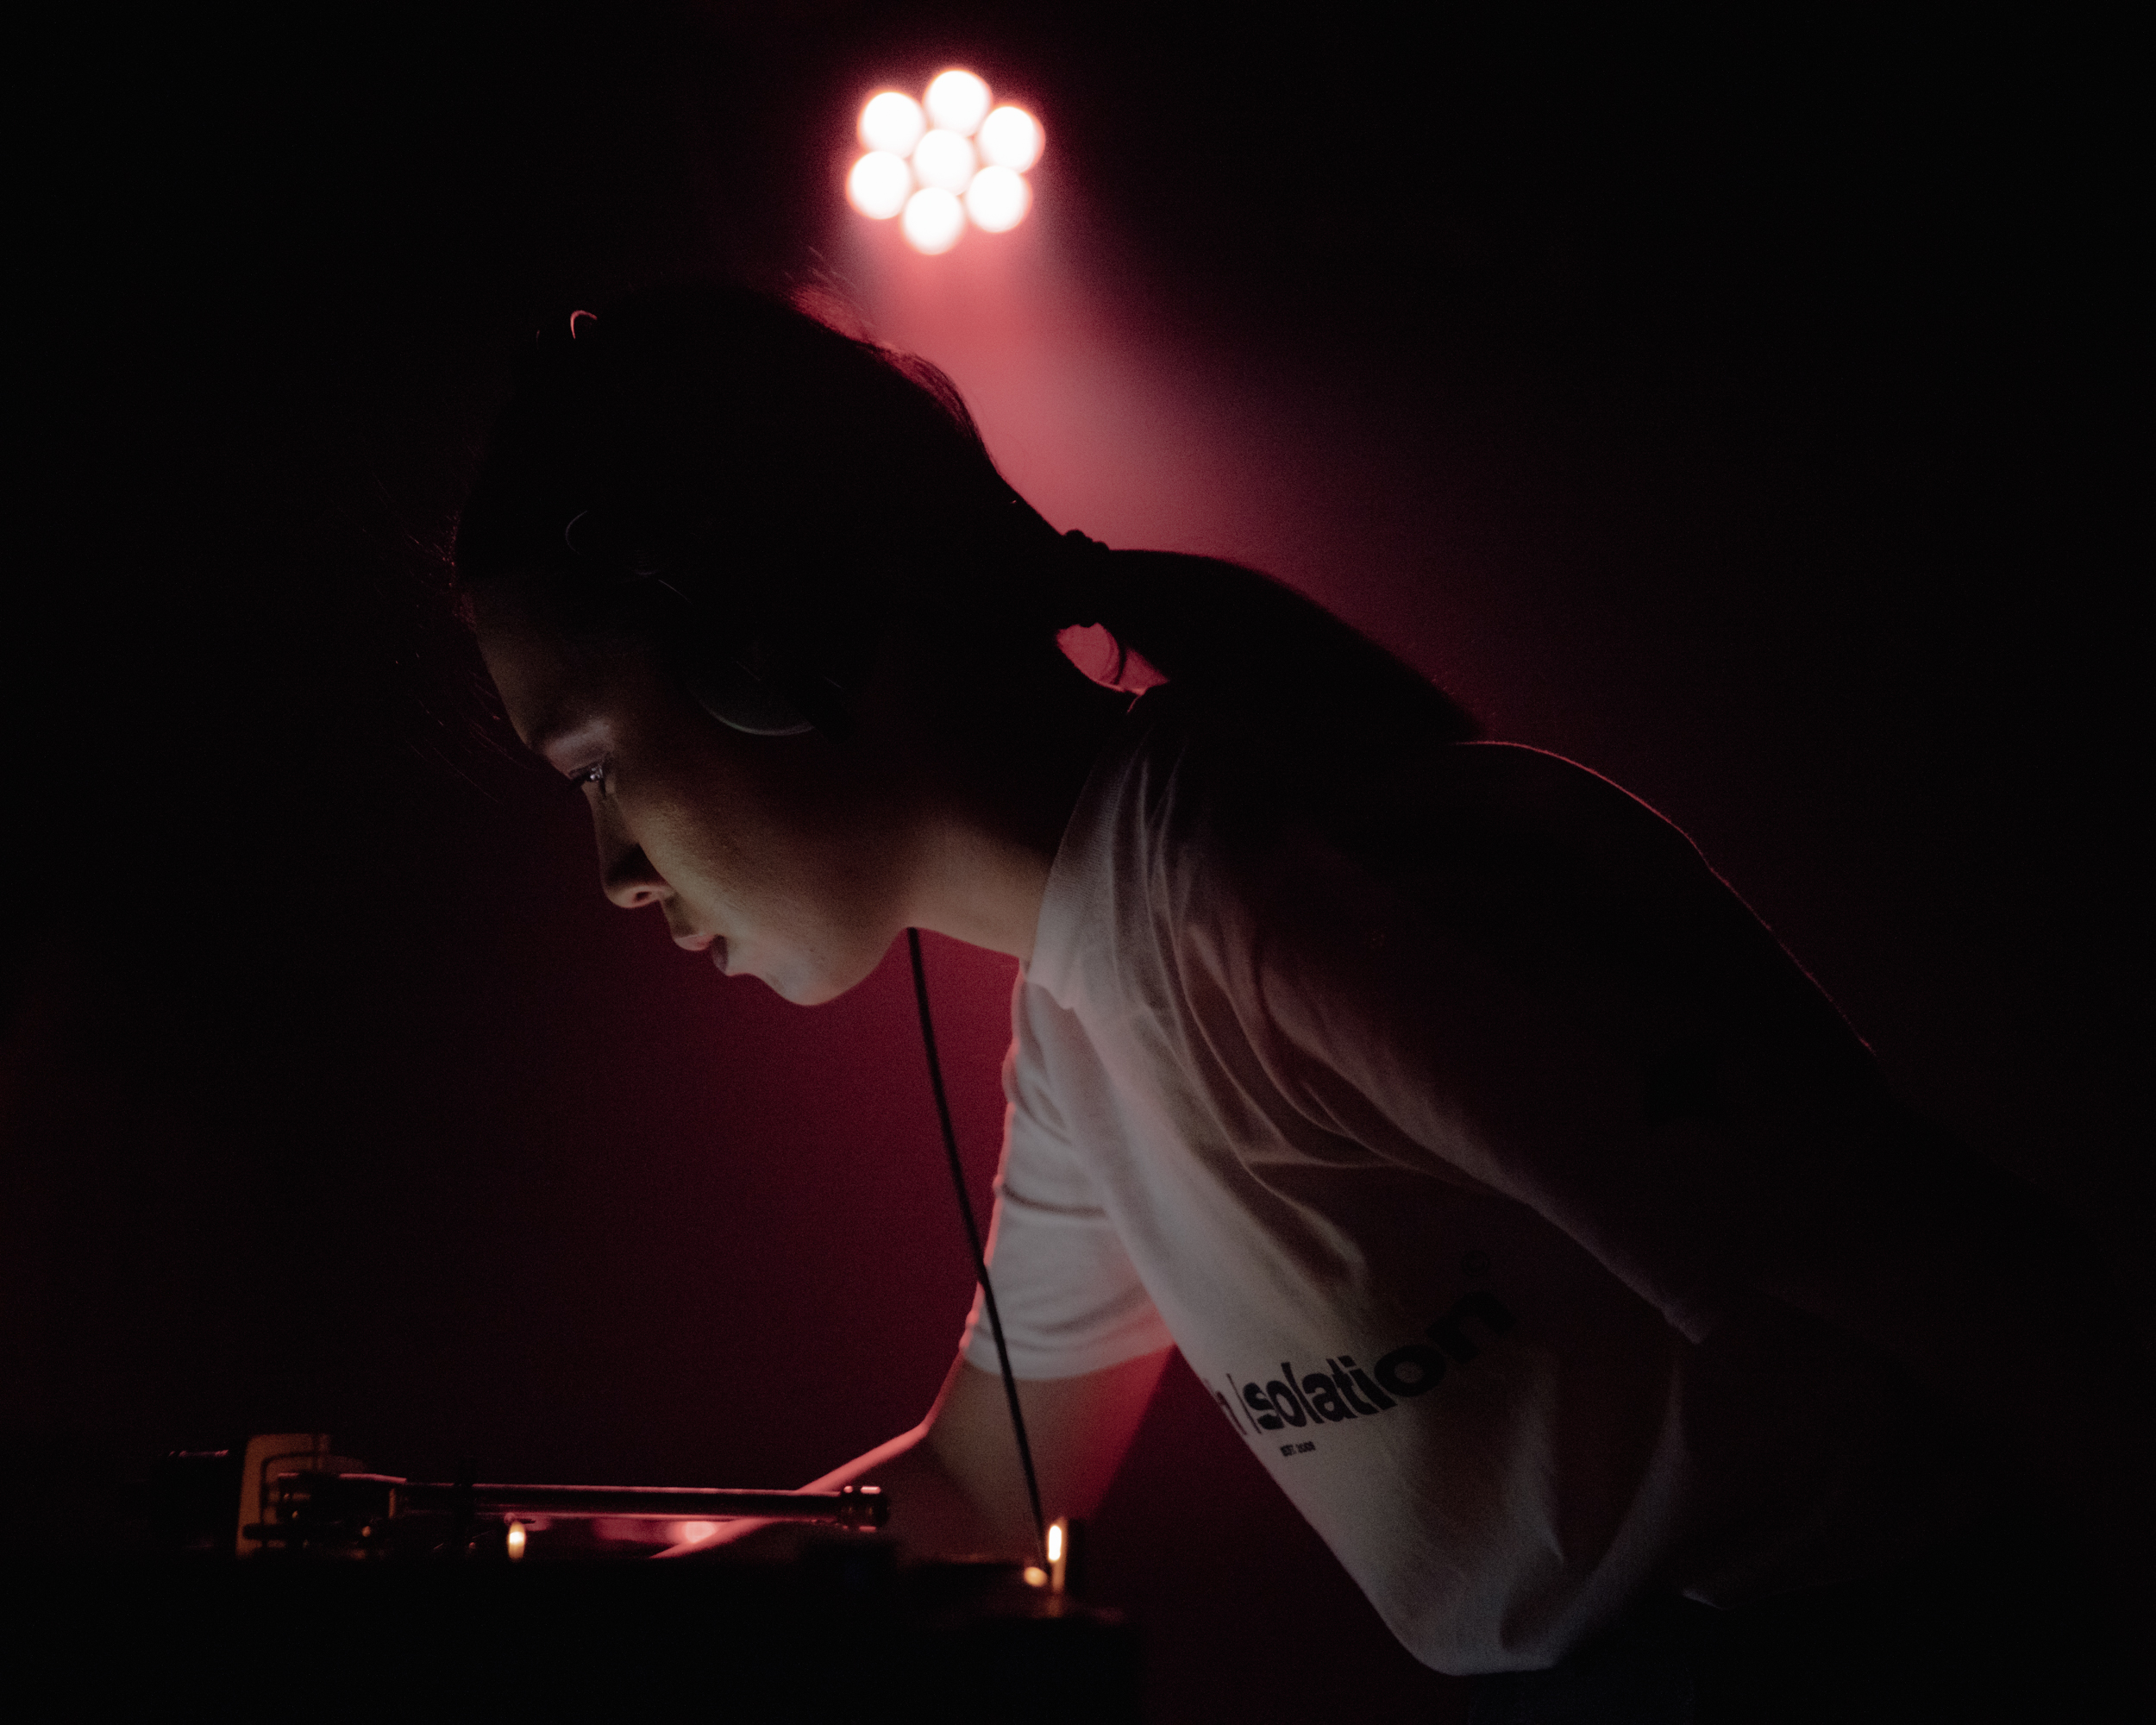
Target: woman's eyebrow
(553,725)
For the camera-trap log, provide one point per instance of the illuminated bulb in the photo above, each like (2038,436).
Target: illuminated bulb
(956,100)
(933,220)
(1036,1576)
(944,158)
(880,185)
(517,1539)
(1010,138)
(998,199)
(891,122)
(1059,1546)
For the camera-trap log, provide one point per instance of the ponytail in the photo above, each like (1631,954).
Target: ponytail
(1265,654)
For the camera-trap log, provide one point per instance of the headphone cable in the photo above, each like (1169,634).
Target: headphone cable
(973,1238)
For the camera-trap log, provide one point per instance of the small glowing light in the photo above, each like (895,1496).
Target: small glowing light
(956,101)
(517,1539)
(688,1533)
(1036,1576)
(944,158)
(893,123)
(933,220)
(1058,1552)
(1010,138)
(998,199)
(880,185)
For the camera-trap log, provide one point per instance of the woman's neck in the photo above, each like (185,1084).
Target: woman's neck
(1015,751)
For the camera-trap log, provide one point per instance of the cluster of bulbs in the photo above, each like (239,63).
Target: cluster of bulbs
(949,158)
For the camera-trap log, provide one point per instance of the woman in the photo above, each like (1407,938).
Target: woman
(1540,1224)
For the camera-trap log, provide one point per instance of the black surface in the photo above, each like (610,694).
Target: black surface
(842,1635)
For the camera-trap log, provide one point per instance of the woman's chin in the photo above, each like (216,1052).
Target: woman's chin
(805,993)
(798,980)
(806,978)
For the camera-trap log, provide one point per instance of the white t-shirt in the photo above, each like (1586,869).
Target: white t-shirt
(1483,1186)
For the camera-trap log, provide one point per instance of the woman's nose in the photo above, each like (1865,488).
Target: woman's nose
(625,874)
(630,880)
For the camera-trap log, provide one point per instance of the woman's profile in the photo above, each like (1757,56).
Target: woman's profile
(1529,1212)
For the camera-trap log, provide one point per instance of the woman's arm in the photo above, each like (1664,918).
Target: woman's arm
(955,1486)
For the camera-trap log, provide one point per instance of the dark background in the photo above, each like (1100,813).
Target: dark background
(1740,413)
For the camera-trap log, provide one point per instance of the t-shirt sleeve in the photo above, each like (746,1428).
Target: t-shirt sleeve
(1070,1299)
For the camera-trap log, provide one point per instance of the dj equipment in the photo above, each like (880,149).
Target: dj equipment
(287,1497)
(359,1594)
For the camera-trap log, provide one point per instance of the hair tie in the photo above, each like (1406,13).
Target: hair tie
(1082,578)
(1068,569)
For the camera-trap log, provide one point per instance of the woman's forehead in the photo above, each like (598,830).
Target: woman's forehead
(552,683)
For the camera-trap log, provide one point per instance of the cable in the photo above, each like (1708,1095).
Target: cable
(973,1238)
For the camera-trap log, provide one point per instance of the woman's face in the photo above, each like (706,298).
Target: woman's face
(785,858)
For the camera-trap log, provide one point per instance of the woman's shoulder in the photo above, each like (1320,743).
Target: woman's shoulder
(1189,828)
(1515,785)
(1395,805)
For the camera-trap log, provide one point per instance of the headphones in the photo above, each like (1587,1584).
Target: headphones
(751,678)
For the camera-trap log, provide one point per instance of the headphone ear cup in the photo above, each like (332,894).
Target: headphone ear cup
(741,700)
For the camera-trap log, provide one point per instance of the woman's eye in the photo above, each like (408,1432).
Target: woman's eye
(593,775)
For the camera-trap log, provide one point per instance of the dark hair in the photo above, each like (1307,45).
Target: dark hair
(813,486)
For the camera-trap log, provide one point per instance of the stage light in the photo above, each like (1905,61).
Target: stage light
(893,123)
(933,220)
(517,1541)
(998,199)
(921,162)
(944,158)
(880,185)
(956,101)
(1010,138)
